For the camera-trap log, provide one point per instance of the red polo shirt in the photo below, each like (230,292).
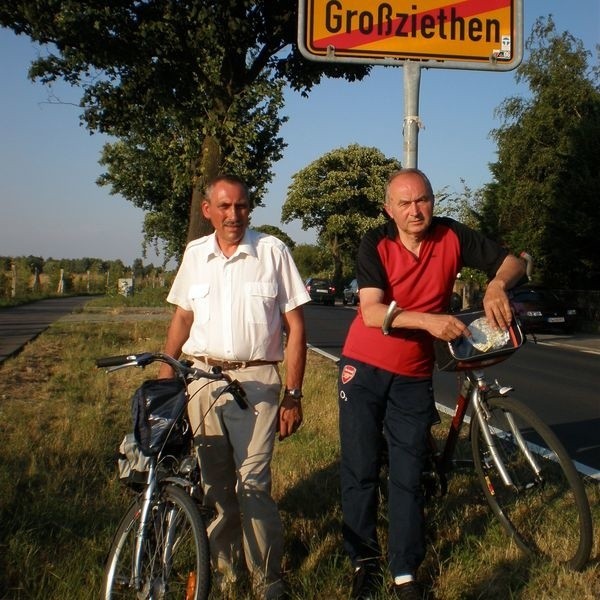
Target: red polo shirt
(422,284)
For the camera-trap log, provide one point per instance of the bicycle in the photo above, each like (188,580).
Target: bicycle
(160,549)
(527,476)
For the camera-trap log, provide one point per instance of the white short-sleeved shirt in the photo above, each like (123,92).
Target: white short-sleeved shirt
(237,301)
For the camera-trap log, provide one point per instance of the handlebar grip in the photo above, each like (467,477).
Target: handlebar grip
(141,360)
(389,317)
(115,361)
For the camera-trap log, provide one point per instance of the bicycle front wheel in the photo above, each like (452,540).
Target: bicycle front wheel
(545,509)
(175,554)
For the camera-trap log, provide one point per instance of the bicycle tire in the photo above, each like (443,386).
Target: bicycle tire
(548,516)
(176,561)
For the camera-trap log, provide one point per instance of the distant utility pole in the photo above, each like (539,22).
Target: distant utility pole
(61,282)
(13,269)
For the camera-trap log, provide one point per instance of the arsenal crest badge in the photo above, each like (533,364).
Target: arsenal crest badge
(348,372)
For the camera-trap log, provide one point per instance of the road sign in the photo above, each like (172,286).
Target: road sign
(460,34)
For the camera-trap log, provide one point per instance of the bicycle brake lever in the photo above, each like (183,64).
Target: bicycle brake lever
(239,395)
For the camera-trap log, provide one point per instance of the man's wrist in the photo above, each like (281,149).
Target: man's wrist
(498,282)
(294,393)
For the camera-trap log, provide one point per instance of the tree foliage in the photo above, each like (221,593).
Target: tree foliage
(340,195)
(464,207)
(189,88)
(278,233)
(545,193)
(312,260)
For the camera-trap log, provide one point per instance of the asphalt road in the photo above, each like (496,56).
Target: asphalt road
(559,378)
(21,324)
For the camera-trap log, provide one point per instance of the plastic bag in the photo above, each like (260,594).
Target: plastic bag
(132,464)
(484,348)
(156,409)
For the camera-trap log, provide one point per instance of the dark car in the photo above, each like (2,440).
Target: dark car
(541,310)
(320,290)
(350,293)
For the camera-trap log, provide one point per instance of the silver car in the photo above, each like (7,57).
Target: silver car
(350,294)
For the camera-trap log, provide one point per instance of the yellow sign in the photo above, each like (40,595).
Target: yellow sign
(471,34)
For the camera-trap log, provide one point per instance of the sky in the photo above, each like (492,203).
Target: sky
(50,205)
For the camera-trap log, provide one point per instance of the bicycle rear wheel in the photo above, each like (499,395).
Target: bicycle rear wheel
(176,560)
(547,513)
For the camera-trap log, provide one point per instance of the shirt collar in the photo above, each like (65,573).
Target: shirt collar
(246,246)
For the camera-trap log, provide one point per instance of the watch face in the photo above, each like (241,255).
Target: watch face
(294,393)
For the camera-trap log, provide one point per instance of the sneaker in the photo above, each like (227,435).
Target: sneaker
(407,591)
(366,582)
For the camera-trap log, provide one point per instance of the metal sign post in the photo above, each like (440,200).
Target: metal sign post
(470,34)
(412,123)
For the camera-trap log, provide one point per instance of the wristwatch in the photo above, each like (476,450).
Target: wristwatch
(294,393)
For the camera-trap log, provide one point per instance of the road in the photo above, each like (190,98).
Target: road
(21,324)
(560,383)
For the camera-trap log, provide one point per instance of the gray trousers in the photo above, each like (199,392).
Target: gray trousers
(235,447)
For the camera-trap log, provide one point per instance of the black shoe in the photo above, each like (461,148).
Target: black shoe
(366,582)
(277,590)
(407,591)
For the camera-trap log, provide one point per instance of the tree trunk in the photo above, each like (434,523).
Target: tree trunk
(209,167)
(337,262)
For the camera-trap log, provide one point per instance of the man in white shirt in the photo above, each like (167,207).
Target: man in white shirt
(237,291)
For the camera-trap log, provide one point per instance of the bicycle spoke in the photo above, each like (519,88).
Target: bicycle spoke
(175,561)
(545,509)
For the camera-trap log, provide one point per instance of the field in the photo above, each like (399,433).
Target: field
(60,501)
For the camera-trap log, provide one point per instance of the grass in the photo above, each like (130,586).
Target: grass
(60,502)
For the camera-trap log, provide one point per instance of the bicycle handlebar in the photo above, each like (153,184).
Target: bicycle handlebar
(182,368)
(389,317)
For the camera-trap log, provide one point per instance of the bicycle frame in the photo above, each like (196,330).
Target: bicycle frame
(473,392)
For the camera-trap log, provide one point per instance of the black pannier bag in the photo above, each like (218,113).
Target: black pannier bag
(485,347)
(156,408)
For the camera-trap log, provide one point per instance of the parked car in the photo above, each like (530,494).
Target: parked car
(540,310)
(350,293)
(320,290)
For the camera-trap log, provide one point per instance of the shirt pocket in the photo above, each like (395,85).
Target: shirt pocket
(260,298)
(198,296)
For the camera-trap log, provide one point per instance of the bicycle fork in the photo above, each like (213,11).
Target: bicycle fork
(483,416)
(144,523)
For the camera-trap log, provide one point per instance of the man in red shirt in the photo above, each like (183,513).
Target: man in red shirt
(385,382)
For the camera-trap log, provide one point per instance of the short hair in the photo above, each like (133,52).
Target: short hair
(408,171)
(233,179)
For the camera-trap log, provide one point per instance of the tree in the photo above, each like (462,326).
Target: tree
(464,207)
(198,77)
(341,195)
(282,235)
(152,169)
(311,260)
(546,183)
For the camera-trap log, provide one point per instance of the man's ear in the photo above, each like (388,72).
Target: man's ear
(387,212)
(204,207)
